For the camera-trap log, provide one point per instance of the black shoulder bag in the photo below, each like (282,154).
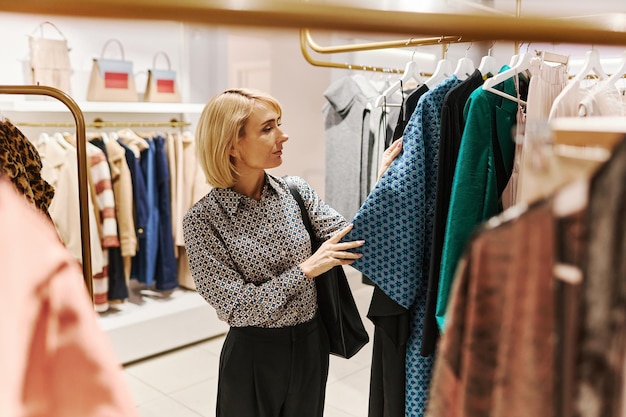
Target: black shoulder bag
(345,329)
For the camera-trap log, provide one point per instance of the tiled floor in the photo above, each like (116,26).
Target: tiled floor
(183,383)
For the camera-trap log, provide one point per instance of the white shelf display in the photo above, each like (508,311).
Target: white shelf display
(149,323)
(160,324)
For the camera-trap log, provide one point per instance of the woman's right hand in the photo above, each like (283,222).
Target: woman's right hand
(332,253)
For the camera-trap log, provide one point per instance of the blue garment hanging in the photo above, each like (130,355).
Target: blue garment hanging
(396,223)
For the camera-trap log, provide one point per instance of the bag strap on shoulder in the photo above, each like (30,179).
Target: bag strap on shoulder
(305,216)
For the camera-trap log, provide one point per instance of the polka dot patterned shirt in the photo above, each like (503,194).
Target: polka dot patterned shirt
(244,254)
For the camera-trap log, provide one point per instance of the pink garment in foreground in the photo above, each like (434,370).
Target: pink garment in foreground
(55,361)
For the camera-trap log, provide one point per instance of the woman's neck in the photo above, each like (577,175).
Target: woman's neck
(250,185)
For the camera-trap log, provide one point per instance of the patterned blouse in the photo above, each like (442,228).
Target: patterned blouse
(244,254)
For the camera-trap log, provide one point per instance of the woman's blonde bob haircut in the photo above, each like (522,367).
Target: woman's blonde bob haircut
(221,124)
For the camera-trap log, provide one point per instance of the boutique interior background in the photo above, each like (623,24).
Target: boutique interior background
(209,59)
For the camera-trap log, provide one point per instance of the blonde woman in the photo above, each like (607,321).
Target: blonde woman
(250,257)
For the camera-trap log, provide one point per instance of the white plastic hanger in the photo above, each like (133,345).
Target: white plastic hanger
(488,64)
(442,71)
(465,67)
(411,72)
(619,73)
(522,64)
(591,65)
(42,139)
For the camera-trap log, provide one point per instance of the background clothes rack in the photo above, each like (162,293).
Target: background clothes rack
(81,156)
(99,123)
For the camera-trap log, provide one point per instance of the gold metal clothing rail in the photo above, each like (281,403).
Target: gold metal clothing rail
(328,64)
(306,41)
(603,30)
(81,155)
(99,123)
(370,46)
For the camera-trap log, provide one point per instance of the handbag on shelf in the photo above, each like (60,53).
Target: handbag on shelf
(337,308)
(162,86)
(112,79)
(49,59)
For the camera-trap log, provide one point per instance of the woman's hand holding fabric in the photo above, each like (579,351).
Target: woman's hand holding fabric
(389,155)
(330,254)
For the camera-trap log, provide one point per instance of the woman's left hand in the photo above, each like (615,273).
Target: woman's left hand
(390,154)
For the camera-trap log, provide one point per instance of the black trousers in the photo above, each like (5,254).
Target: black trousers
(279,372)
(391,333)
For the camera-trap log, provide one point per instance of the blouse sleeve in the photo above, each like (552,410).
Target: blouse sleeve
(326,220)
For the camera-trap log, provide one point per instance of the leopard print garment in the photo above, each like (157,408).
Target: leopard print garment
(20,161)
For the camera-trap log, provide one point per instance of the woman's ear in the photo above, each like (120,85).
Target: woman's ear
(233,151)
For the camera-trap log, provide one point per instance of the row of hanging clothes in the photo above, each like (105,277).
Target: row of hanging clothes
(476,144)
(140,186)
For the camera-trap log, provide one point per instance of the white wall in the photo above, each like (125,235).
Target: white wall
(206,60)
(141,40)
(297,85)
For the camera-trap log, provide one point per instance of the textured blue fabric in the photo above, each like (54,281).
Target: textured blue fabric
(147,253)
(140,196)
(396,223)
(166,271)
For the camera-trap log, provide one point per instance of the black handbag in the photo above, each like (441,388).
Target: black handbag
(339,313)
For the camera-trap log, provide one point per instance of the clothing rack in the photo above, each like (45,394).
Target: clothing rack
(327,64)
(369,46)
(81,155)
(99,123)
(306,41)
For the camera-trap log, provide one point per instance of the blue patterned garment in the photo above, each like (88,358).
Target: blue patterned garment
(396,222)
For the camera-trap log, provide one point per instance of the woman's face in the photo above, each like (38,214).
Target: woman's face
(261,147)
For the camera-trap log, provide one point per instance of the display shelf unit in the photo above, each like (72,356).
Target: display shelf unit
(149,323)
(160,324)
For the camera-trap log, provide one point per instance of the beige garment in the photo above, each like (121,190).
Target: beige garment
(546,83)
(67,139)
(602,100)
(545,171)
(174,166)
(59,169)
(567,102)
(56,361)
(185,279)
(192,189)
(123,192)
(133,141)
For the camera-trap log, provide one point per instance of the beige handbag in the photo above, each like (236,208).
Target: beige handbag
(162,86)
(49,60)
(112,79)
